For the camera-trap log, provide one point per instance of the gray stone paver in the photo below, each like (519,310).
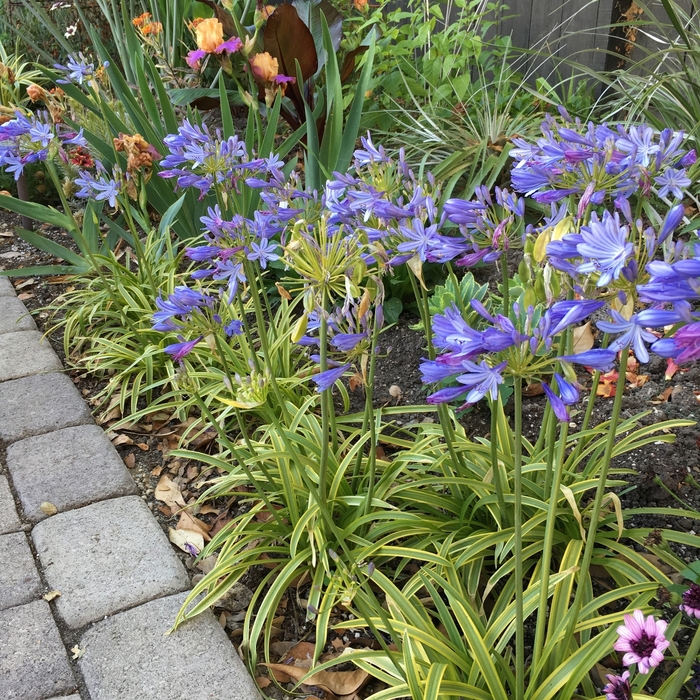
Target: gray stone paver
(9,522)
(14,316)
(6,288)
(39,404)
(19,579)
(67,697)
(127,656)
(24,353)
(106,557)
(33,661)
(69,468)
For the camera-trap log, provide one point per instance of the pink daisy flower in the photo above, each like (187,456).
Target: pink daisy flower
(619,687)
(691,601)
(643,641)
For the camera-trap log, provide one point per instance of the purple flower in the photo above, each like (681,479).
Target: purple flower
(41,133)
(459,211)
(684,346)
(233,328)
(194,57)
(639,144)
(671,181)
(691,601)
(481,379)
(179,350)
(345,342)
(619,687)
(370,154)
(598,359)
(632,333)
(642,640)
(202,252)
(76,70)
(325,380)
(568,394)
(263,252)
(605,246)
(230,46)
(558,406)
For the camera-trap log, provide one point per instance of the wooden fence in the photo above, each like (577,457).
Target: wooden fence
(583,31)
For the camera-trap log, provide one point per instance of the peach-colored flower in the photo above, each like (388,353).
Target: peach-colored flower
(264,67)
(360,5)
(141,19)
(36,93)
(152,28)
(140,153)
(210,33)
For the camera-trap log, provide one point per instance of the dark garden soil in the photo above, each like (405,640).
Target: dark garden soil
(662,474)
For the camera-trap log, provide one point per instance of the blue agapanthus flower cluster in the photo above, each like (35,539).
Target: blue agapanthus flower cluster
(198,158)
(78,70)
(602,161)
(29,139)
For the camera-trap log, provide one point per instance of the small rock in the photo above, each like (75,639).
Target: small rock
(237,598)
(48,508)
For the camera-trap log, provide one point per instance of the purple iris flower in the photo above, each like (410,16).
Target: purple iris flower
(193,57)
(600,359)
(231,46)
(605,246)
(325,380)
(180,350)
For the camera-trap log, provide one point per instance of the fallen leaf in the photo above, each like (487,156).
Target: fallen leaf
(130,461)
(671,369)
(142,446)
(338,682)
(165,511)
(583,338)
(169,492)
(208,509)
(534,389)
(189,522)
(121,439)
(156,471)
(27,283)
(51,595)
(12,254)
(48,508)
(187,540)
(25,295)
(77,652)
(664,395)
(263,682)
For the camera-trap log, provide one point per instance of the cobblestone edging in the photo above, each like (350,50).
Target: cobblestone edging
(119,580)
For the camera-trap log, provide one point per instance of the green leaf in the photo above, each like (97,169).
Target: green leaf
(53,248)
(38,212)
(392,309)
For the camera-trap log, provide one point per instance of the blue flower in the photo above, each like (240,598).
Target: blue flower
(605,246)
(180,350)
(325,380)
(684,346)
(557,404)
(480,379)
(600,359)
(263,252)
(345,342)
(235,327)
(671,181)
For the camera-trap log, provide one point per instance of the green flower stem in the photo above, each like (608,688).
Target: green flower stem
(248,334)
(543,432)
(262,333)
(444,413)
(496,408)
(597,502)
(369,413)
(549,429)
(506,285)
(518,544)
(325,395)
(678,679)
(556,468)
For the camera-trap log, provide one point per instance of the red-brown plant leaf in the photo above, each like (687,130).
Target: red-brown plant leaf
(349,62)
